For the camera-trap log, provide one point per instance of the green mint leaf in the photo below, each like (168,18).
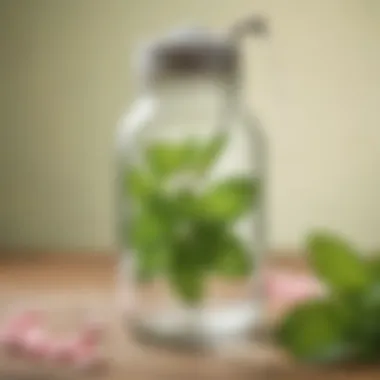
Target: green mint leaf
(337,263)
(165,160)
(185,203)
(151,262)
(366,332)
(234,260)
(187,271)
(208,240)
(168,159)
(163,207)
(230,199)
(208,153)
(315,331)
(375,267)
(146,229)
(183,235)
(151,243)
(188,285)
(138,183)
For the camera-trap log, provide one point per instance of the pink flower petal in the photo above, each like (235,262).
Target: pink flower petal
(24,321)
(37,344)
(287,288)
(92,333)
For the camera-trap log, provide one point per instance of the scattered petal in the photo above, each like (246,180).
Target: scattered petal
(37,344)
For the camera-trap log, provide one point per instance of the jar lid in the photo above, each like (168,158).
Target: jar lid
(197,51)
(187,52)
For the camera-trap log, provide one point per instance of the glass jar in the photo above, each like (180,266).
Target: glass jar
(191,207)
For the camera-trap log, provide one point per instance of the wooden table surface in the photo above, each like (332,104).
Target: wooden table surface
(64,286)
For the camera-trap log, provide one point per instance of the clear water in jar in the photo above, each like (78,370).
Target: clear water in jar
(192,236)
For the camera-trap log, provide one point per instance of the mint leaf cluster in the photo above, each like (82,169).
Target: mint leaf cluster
(181,224)
(345,325)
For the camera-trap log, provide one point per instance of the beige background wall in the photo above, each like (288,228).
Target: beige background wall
(65,80)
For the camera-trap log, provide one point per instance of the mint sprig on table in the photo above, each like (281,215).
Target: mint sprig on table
(182,223)
(345,325)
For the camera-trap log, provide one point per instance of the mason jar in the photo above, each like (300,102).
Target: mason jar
(191,194)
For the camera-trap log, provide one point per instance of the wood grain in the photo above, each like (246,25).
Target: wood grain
(63,287)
